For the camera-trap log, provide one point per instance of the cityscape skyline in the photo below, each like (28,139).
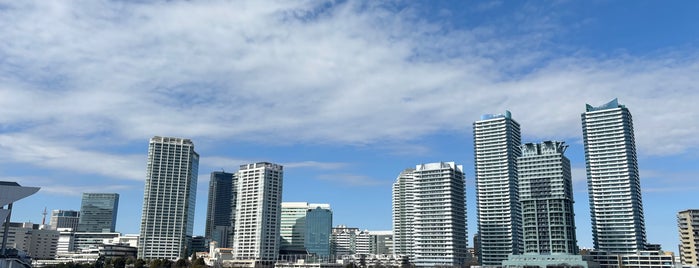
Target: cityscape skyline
(343,95)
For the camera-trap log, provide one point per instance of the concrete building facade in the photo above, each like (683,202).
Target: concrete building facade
(546,194)
(613,182)
(688,225)
(439,225)
(167,220)
(403,212)
(497,145)
(258,214)
(64,219)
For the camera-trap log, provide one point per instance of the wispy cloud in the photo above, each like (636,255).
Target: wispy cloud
(316,165)
(351,179)
(44,153)
(306,71)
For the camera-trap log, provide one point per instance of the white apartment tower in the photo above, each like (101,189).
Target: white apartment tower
(439,221)
(258,214)
(167,219)
(613,181)
(497,145)
(403,206)
(546,194)
(688,224)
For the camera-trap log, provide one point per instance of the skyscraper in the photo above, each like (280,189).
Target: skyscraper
(403,209)
(305,229)
(546,194)
(220,208)
(169,198)
(688,224)
(439,223)
(98,212)
(613,182)
(65,219)
(258,214)
(497,146)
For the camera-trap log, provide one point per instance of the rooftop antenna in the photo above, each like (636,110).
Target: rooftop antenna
(43,220)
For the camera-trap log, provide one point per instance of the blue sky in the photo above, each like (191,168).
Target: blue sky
(345,94)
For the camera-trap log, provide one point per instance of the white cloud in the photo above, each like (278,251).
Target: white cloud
(45,153)
(351,179)
(289,72)
(315,164)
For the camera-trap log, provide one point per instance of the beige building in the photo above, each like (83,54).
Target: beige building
(38,242)
(688,224)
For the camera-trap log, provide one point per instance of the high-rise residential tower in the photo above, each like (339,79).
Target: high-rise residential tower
(613,182)
(403,207)
(98,212)
(65,219)
(220,217)
(546,194)
(688,224)
(167,220)
(305,229)
(439,222)
(497,145)
(257,214)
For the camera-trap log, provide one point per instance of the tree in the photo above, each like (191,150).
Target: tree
(199,263)
(119,262)
(181,263)
(139,263)
(157,263)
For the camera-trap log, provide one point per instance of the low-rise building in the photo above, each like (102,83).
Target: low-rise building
(37,240)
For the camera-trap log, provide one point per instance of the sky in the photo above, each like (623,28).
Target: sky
(344,94)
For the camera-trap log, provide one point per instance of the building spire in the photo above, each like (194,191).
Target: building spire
(43,219)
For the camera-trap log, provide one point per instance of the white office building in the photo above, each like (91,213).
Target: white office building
(167,220)
(403,208)
(497,144)
(439,223)
(258,214)
(613,181)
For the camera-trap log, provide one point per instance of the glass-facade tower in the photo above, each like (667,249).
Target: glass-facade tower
(98,212)
(546,194)
(319,224)
(167,219)
(613,182)
(220,208)
(305,229)
(497,145)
